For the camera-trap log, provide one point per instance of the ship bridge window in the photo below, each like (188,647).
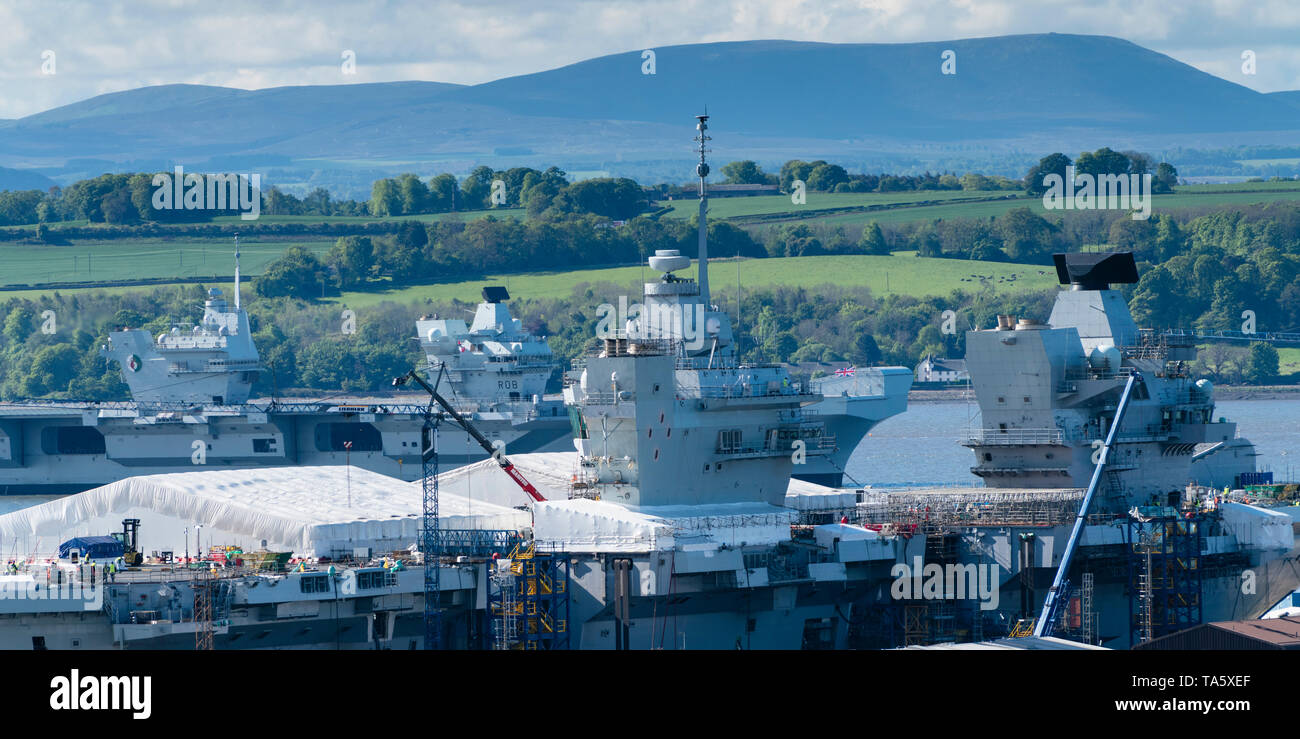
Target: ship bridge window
(729,440)
(314,583)
(264,446)
(331,437)
(72,440)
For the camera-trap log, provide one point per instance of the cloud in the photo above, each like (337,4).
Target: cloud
(110,46)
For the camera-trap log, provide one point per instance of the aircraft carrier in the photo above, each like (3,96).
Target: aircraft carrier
(1110,516)
(190,407)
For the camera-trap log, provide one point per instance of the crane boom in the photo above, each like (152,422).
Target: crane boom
(1052,604)
(482,440)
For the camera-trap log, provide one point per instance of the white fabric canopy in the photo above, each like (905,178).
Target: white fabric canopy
(313,511)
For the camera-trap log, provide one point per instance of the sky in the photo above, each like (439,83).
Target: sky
(54,52)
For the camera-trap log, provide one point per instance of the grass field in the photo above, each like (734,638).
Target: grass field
(741,207)
(899,273)
(423,218)
(1185,198)
(162,258)
(1288,360)
(88,261)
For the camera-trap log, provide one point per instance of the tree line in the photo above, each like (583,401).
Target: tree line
(126,199)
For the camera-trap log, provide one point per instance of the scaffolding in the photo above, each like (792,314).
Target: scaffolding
(204,638)
(916,624)
(528,600)
(1087,610)
(1165,578)
(935,512)
(506,611)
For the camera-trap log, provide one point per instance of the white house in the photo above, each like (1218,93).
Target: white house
(941,370)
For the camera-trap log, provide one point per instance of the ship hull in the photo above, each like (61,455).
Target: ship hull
(73,449)
(850,414)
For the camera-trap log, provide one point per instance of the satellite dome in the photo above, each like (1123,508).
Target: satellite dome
(1105,357)
(1206,387)
(669,260)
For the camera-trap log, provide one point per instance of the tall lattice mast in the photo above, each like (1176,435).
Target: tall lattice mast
(702,169)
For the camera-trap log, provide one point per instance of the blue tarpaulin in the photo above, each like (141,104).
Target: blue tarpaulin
(93,547)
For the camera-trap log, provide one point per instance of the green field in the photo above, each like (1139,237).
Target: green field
(899,273)
(1288,360)
(186,257)
(362,220)
(741,207)
(1186,197)
(107,261)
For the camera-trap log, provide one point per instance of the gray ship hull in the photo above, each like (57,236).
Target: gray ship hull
(850,408)
(57,449)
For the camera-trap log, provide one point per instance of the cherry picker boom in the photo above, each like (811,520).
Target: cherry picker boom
(482,440)
(1052,604)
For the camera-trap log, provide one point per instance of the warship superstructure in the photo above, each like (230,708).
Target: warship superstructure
(191,408)
(1047,394)
(1163,545)
(676,524)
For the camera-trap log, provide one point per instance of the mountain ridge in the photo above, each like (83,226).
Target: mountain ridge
(773,97)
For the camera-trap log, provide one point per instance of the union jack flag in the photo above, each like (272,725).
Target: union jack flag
(846,371)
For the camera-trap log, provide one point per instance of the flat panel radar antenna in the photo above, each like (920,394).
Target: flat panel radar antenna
(1095,271)
(702,170)
(495,294)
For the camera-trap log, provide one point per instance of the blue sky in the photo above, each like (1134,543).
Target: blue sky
(102,46)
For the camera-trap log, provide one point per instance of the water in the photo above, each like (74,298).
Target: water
(922,446)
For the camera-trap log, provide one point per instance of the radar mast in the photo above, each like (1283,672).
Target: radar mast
(702,169)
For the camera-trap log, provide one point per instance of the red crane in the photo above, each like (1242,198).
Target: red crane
(482,440)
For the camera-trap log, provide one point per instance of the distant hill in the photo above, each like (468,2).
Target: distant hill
(1003,87)
(17,179)
(1290,97)
(771,100)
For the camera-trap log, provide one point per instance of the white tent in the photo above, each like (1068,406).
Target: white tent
(551,473)
(313,511)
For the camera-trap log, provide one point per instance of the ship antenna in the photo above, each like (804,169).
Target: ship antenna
(236,272)
(702,169)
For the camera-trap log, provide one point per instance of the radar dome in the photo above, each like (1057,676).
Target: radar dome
(1104,357)
(669,260)
(1206,387)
